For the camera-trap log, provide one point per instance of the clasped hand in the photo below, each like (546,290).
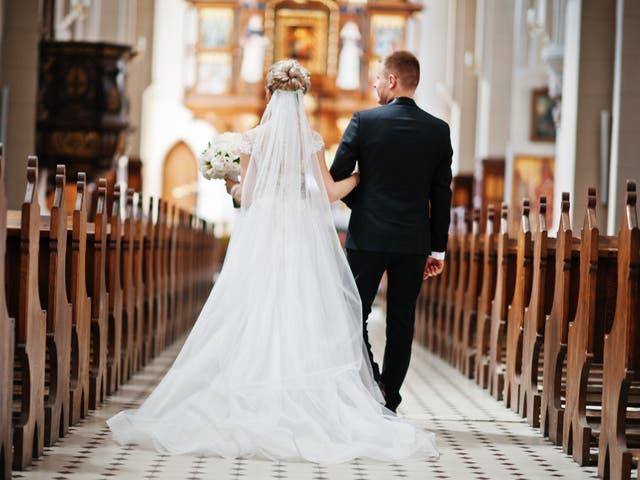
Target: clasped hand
(433,268)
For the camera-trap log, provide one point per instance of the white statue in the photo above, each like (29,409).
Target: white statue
(253,51)
(349,60)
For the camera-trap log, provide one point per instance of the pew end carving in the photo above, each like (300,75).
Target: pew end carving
(619,442)
(7,339)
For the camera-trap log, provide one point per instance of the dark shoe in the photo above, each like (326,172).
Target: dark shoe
(392,400)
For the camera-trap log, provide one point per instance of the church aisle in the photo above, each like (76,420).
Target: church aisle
(478,438)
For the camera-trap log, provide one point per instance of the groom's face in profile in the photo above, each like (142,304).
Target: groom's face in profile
(381,86)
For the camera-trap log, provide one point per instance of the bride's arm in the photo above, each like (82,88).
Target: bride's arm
(236,189)
(336,190)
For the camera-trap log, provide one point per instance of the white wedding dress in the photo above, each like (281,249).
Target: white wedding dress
(275,364)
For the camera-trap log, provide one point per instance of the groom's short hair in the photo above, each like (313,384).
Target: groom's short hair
(405,66)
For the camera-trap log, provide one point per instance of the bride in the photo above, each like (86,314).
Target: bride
(275,365)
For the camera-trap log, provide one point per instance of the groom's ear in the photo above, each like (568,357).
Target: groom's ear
(393,81)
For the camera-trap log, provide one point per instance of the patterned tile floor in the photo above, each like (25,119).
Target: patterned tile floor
(477,436)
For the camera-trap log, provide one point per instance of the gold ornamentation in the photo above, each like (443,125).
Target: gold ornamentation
(309,19)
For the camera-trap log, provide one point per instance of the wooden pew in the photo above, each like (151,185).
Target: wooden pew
(206,269)
(420,330)
(182,267)
(160,275)
(98,251)
(7,339)
(467,348)
(150,292)
(23,300)
(114,286)
(586,337)
(619,442)
(464,238)
(429,307)
(128,291)
(515,312)
(453,252)
(53,295)
(440,312)
(542,288)
(81,307)
(423,304)
(505,283)
(174,315)
(142,334)
(164,269)
(487,292)
(556,329)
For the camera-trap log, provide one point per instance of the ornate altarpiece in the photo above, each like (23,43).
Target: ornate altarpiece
(230,45)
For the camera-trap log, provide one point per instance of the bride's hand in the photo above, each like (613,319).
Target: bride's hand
(230,183)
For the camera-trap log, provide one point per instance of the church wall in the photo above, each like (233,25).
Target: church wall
(139,75)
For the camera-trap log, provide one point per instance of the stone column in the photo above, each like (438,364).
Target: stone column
(494,67)
(461,84)
(432,55)
(625,135)
(587,89)
(19,72)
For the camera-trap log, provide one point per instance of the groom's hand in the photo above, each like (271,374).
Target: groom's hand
(433,267)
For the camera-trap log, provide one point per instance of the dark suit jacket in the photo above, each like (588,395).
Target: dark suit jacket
(403,201)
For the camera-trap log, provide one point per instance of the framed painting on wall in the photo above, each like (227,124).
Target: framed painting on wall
(214,73)
(543,127)
(387,34)
(532,178)
(216,26)
(303,36)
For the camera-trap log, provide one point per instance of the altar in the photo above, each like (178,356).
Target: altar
(231,44)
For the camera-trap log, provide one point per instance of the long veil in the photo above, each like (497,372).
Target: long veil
(275,364)
(284,198)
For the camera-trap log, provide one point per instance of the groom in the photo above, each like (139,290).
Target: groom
(399,211)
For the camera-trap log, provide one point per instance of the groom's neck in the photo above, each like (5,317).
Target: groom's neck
(399,94)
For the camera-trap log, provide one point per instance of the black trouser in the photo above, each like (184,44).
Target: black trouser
(404,277)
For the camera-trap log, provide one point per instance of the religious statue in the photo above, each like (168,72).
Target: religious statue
(349,60)
(253,51)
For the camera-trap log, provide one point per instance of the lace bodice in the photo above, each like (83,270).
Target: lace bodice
(247,143)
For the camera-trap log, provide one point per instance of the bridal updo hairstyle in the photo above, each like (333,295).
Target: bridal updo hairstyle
(288,75)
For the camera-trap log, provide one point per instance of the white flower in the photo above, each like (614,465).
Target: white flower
(221,158)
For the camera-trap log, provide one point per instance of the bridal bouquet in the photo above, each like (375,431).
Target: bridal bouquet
(221,158)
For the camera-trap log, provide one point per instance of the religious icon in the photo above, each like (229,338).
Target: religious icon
(543,127)
(302,35)
(216,25)
(532,178)
(214,73)
(387,33)
(301,43)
